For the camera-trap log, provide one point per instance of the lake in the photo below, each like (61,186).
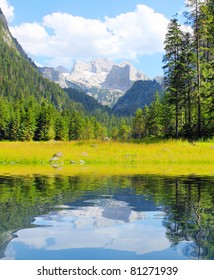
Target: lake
(89,217)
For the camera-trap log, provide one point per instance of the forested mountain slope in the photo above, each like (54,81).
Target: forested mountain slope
(31,106)
(142,93)
(19,77)
(89,103)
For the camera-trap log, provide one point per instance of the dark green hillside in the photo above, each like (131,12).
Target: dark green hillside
(19,78)
(34,108)
(142,93)
(89,103)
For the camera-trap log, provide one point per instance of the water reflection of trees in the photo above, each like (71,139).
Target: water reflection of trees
(189,206)
(190,217)
(187,201)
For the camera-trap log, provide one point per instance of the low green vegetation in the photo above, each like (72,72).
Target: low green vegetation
(169,157)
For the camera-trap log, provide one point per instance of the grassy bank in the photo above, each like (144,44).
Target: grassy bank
(170,157)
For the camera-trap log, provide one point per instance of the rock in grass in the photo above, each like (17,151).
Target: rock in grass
(94,145)
(56,156)
(56,166)
(107,139)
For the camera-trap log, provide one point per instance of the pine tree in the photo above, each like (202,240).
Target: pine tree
(124,132)
(146,121)
(99,130)
(187,82)
(155,122)
(27,121)
(168,119)
(61,128)
(76,127)
(45,123)
(138,124)
(15,120)
(172,73)
(200,20)
(4,118)
(209,82)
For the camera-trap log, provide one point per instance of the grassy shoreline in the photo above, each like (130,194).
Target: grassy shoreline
(167,158)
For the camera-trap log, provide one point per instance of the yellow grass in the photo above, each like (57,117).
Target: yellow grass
(170,157)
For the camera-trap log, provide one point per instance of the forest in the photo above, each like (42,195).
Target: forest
(33,108)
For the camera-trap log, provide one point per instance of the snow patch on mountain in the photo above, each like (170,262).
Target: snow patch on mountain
(104,74)
(103,79)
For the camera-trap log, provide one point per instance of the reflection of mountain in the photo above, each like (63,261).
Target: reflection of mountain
(116,212)
(109,224)
(136,202)
(108,209)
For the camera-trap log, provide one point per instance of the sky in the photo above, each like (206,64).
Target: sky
(60,32)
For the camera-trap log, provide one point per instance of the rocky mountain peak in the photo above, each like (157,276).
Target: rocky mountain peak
(61,69)
(118,78)
(101,65)
(95,66)
(122,76)
(10,40)
(103,79)
(80,66)
(53,75)
(3,18)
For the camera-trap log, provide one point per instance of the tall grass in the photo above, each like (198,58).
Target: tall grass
(168,157)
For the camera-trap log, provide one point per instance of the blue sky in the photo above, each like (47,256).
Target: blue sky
(59,32)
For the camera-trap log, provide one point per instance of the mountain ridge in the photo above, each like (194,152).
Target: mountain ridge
(9,39)
(2,17)
(112,80)
(141,93)
(33,108)
(102,79)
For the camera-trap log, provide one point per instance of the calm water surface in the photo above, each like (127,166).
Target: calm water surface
(117,217)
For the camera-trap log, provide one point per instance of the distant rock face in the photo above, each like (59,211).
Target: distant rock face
(107,82)
(61,69)
(89,75)
(104,74)
(3,18)
(102,79)
(10,40)
(53,75)
(6,35)
(122,76)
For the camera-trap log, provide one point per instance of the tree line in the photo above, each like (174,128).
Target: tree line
(186,109)
(189,71)
(33,108)
(27,120)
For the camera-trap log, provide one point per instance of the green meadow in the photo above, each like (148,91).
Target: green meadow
(107,158)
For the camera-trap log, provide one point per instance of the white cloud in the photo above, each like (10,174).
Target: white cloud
(7,9)
(140,32)
(95,227)
(33,37)
(62,37)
